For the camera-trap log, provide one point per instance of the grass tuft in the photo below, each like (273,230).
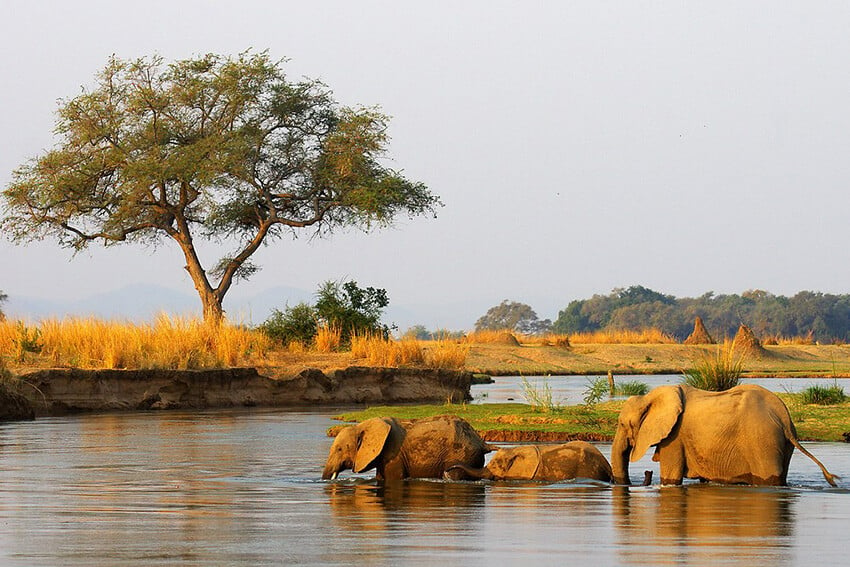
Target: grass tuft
(823,395)
(717,372)
(540,398)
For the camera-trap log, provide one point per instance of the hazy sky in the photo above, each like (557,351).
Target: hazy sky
(577,146)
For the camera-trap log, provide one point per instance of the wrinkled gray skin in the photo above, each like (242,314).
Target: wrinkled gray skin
(550,463)
(741,436)
(424,449)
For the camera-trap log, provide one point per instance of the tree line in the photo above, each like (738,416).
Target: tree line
(820,316)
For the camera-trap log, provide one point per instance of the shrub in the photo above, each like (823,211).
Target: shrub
(823,395)
(296,323)
(717,372)
(631,388)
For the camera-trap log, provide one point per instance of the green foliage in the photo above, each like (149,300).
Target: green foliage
(823,395)
(353,309)
(717,372)
(3,298)
(596,389)
(296,323)
(223,148)
(631,388)
(26,341)
(512,316)
(824,317)
(540,398)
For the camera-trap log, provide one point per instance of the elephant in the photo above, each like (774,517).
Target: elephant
(741,436)
(425,448)
(551,463)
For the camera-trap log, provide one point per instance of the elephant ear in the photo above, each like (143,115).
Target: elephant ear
(661,411)
(371,438)
(523,464)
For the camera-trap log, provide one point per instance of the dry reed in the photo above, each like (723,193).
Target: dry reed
(644,336)
(168,342)
(328,338)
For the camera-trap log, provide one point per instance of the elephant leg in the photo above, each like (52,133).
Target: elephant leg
(672,465)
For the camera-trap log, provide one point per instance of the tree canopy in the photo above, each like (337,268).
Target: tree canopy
(512,316)
(216,147)
(823,317)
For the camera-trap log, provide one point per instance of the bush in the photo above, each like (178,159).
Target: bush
(352,309)
(716,373)
(823,395)
(631,388)
(295,324)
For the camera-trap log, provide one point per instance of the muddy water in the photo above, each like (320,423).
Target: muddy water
(242,488)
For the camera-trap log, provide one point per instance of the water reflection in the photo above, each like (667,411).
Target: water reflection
(704,524)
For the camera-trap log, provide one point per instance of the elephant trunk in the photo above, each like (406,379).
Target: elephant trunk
(470,472)
(620,451)
(329,473)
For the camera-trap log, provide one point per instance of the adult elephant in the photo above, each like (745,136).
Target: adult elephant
(426,448)
(550,463)
(741,436)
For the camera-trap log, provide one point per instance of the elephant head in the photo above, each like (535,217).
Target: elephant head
(516,463)
(644,421)
(358,447)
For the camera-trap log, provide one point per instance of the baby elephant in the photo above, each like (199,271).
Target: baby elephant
(551,463)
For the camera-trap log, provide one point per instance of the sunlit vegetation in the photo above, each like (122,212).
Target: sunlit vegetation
(189,343)
(623,337)
(823,395)
(592,421)
(168,342)
(717,371)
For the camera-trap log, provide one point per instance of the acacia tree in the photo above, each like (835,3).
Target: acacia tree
(512,316)
(217,148)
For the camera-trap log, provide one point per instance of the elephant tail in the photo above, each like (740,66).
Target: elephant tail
(830,478)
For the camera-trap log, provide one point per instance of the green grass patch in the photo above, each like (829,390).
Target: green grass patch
(601,419)
(813,422)
(717,372)
(823,395)
(818,422)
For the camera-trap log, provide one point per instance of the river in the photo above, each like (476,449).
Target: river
(241,487)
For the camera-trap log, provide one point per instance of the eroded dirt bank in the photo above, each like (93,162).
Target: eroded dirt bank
(60,391)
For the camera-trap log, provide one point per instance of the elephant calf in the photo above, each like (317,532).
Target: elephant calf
(426,448)
(551,463)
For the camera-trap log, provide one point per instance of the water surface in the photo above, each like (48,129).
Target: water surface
(243,488)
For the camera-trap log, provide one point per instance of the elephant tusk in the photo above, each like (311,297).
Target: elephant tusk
(334,475)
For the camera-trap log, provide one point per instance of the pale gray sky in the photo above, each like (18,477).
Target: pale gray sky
(578,146)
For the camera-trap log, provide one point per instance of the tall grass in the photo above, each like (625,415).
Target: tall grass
(823,395)
(716,372)
(644,336)
(539,397)
(168,342)
(380,351)
(328,338)
(446,353)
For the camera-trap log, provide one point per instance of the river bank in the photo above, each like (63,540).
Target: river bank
(71,390)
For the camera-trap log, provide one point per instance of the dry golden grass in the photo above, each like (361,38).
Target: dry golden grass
(328,339)
(786,341)
(169,342)
(446,353)
(645,336)
(492,337)
(379,351)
